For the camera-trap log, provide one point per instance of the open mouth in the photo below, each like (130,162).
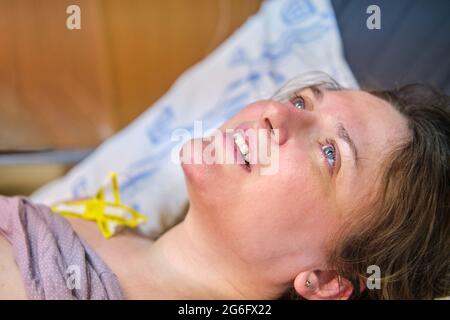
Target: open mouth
(243,147)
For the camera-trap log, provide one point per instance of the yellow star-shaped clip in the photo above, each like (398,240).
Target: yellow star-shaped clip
(110,215)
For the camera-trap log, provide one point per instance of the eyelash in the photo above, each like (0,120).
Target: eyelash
(295,98)
(329,143)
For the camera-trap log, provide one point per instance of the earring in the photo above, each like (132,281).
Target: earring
(308,283)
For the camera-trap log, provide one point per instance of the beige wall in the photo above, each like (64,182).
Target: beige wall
(73,88)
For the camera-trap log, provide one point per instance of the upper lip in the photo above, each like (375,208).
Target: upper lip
(243,127)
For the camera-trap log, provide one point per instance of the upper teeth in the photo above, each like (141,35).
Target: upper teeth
(242,146)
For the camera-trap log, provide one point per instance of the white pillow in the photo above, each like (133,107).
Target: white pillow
(283,39)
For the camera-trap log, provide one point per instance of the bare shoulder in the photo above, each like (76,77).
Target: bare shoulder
(118,252)
(11,282)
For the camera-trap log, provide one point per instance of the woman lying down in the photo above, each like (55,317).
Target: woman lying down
(361,189)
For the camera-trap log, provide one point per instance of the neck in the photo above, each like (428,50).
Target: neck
(184,264)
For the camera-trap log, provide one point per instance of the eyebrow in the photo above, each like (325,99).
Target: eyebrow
(317,92)
(343,134)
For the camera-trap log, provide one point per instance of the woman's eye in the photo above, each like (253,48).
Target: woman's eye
(298,102)
(330,154)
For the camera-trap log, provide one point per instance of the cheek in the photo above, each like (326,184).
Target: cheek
(280,214)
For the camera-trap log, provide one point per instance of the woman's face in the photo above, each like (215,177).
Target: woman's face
(330,145)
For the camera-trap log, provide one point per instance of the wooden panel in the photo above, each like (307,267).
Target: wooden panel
(54,85)
(73,88)
(153,42)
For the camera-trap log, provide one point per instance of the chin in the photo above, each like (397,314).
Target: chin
(197,172)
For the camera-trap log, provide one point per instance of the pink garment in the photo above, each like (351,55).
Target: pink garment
(54,262)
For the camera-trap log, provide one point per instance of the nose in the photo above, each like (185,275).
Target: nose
(287,119)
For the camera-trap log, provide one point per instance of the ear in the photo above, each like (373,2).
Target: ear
(320,285)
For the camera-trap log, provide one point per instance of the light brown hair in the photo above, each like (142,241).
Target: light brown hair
(406,232)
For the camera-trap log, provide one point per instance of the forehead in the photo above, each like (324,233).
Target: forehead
(376,128)
(374,124)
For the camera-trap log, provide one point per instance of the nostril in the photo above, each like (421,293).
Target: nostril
(269,125)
